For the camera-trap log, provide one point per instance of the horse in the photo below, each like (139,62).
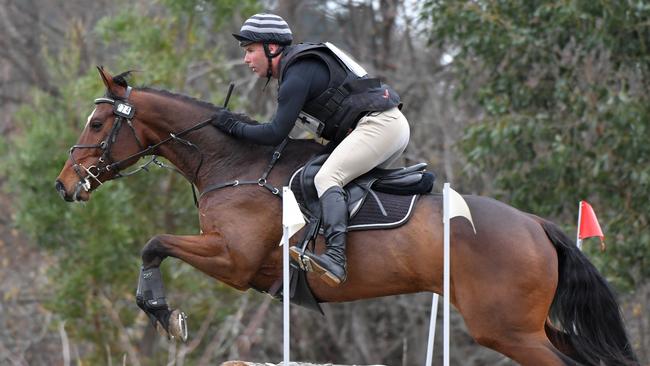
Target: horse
(521,285)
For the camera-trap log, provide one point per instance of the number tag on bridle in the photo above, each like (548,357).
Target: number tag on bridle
(123,109)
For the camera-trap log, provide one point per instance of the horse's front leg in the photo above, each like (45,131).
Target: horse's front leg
(209,253)
(150,297)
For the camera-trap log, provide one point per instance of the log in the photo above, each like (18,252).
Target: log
(244,363)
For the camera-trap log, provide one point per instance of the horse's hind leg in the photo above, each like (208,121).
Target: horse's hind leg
(513,330)
(527,349)
(512,324)
(506,289)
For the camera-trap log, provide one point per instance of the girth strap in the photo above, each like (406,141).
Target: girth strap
(260,182)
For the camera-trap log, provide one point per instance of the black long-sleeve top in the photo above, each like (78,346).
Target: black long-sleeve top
(304,80)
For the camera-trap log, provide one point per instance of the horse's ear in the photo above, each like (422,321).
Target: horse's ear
(107,78)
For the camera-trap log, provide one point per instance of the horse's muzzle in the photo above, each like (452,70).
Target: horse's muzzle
(60,188)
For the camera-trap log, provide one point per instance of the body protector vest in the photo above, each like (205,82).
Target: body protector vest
(350,93)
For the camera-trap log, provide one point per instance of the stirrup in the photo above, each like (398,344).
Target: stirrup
(299,257)
(309,265)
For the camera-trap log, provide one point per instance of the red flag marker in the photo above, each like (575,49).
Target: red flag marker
(588,225)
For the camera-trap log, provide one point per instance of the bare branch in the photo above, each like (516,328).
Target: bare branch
(65,345)
(125,342)
(200,334)
(12,99)
(31,12)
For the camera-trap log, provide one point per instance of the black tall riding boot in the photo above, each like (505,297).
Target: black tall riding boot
(331,265)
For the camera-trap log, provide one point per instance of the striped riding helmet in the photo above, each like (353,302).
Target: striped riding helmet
(264,28)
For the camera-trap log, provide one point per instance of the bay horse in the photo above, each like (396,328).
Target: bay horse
(521,285)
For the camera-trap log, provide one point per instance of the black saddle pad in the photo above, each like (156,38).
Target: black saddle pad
(377,210)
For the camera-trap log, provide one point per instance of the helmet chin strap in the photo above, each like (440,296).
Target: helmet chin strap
(269,56)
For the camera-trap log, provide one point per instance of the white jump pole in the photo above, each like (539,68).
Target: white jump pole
(432,329)
(446,290)
(453,205)
(578,241)
(285,296)
(292,222)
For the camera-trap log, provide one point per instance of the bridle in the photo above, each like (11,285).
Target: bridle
(124,113)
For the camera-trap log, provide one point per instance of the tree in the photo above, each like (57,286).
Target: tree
(564,87)
(98,254)
(186,46)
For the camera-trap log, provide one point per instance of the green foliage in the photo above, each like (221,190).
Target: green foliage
(220,11)
(97,244)
(567,104)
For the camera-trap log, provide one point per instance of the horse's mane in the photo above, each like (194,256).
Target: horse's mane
(121,80)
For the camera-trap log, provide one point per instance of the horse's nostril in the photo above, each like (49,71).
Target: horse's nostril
(58,185)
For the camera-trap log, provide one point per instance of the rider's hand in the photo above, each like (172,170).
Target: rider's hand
(227,123)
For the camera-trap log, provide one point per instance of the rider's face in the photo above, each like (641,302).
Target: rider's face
(255,58)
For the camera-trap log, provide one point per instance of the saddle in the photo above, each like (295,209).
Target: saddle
(379,199)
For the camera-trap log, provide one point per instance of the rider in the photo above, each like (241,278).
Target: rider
(324,88)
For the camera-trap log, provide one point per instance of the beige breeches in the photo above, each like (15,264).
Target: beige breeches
(377,141)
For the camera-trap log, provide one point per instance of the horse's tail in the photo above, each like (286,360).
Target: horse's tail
(586,309)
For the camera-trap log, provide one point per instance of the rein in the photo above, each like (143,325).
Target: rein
(124,112)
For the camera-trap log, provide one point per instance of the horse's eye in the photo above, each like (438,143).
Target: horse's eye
(96,125)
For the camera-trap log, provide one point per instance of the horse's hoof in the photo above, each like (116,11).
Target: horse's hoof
(178,325)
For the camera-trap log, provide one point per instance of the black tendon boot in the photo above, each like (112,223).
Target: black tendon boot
(334,210)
